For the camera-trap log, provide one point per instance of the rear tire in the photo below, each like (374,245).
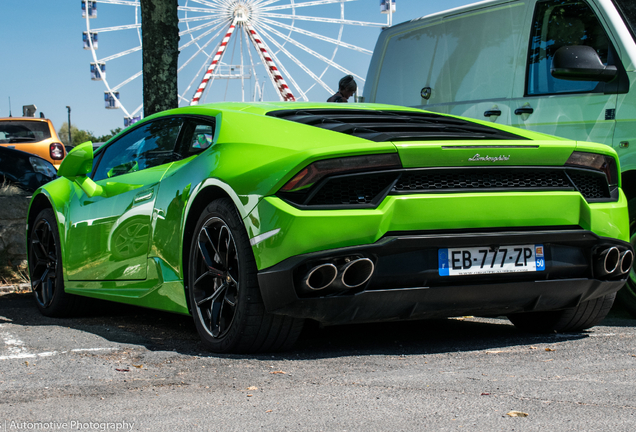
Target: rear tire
(225,298)
(45,269)
(585,315)
(627,295)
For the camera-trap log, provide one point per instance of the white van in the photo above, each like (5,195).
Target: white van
(562,67)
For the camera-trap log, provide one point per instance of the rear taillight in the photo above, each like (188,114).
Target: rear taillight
(317,170)
(57,151)
(595,161)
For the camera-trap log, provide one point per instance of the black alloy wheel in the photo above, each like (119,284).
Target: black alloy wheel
(223,292)
(44,262)
(45,269)
(215,286)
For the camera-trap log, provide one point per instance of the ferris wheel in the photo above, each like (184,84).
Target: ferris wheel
(235,50)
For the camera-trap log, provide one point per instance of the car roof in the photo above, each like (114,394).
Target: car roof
(262,108)
(25,119)
(269,108)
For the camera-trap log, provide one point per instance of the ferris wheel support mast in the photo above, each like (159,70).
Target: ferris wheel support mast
(215,62)
(274,73)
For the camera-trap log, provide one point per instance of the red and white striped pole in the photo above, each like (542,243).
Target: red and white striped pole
(215,62)
(279,82)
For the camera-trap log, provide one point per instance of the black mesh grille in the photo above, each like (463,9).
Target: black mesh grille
(426,181)
(591,185)
(369,189)
(360,189)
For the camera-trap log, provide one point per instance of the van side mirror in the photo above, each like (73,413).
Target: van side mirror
(77,163)
(580,63)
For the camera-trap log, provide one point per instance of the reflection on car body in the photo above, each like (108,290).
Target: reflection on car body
(25,170)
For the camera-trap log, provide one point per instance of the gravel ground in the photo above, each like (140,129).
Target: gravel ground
(126,366)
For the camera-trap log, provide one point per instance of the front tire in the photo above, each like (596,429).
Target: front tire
(584,316)
(225,299)
(45,268)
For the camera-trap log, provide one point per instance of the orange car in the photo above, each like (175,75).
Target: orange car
(32,135)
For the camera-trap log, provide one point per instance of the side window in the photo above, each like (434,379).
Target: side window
(202,137)
(147,146)
(559,23)
(198,136)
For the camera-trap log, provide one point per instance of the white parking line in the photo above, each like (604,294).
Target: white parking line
(17,349)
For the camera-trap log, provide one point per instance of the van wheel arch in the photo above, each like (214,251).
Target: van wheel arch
(627,295)
(628,185)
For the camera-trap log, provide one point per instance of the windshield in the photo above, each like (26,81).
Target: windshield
(21,131)
(627,8)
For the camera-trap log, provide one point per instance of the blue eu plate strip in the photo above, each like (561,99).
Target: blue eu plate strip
(442,255)
(538,254)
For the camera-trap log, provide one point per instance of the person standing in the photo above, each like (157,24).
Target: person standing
(346,88)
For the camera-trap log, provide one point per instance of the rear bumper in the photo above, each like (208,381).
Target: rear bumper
(406,283)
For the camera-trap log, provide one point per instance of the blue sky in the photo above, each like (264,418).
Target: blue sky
(44,62)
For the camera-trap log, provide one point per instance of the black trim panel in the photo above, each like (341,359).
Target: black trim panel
(368,190)
(406,283)
(382,126)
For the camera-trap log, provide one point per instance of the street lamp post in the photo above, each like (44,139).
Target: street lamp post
(70,141)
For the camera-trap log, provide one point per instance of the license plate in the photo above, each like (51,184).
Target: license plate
(488,260)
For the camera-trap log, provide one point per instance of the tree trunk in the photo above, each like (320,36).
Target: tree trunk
(160,36)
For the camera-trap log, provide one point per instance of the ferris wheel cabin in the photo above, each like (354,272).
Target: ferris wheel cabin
(111,100)
(98,73)
(92,9)
(93,41)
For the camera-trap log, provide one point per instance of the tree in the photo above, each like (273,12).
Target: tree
(77,135)
(106,137)
(160,38)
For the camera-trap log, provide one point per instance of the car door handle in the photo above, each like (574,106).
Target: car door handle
(492,112)
(524,110)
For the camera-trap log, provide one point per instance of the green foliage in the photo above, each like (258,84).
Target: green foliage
(106,137)
(80,136)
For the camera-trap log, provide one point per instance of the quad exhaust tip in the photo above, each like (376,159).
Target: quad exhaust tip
(351,274)
(357,272)
(320,277)
(626,261)
(607,261)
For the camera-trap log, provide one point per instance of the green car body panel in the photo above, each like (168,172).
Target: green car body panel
(126,241)
(304,231)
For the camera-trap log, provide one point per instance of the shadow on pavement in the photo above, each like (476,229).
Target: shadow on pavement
(162,331)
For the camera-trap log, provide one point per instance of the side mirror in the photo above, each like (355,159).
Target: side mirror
(580,63)
(77,163)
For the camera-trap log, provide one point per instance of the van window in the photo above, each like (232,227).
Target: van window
(460,58)
(411,61)
(627,8)
(559,23)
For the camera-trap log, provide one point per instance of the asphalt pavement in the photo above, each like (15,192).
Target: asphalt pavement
(125,368)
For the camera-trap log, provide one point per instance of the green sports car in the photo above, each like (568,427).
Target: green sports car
(255,217)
